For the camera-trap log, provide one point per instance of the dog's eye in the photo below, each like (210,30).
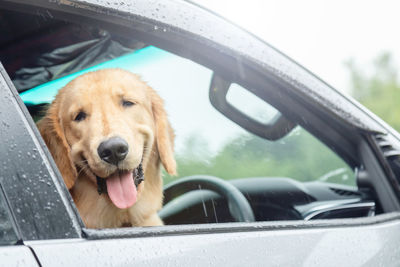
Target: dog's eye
(80,117)
(126,103)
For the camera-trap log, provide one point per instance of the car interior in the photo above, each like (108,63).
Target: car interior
(242,154)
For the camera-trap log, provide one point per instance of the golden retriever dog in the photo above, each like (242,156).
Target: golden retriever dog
(103,129)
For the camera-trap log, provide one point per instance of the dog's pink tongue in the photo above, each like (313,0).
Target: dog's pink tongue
(121,189)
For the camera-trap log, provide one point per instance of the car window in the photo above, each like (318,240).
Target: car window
(207,143)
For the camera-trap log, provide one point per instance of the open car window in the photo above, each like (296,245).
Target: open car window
(294,177)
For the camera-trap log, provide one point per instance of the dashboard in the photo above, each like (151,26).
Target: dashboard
(271,199)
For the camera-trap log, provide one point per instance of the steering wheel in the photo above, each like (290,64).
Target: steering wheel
(239,207)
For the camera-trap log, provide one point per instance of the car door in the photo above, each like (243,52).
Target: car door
(52,229)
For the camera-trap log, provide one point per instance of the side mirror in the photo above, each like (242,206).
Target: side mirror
(276,127)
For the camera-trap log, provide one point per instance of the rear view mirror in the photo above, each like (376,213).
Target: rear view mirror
(248,110)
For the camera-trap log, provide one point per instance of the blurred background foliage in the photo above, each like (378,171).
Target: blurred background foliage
(378,90)
(299,155)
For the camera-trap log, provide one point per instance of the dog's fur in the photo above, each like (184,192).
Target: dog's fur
(73,144)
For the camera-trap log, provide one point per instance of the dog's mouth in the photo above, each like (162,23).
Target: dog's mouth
(121,186)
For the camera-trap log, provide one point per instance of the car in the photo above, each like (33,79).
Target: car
(275,166)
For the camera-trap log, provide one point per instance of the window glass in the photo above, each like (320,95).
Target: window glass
(7,233)
(219,147)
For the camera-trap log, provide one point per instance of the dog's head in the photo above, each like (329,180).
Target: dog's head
(105,123)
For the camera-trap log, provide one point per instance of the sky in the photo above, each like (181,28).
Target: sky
(320,35)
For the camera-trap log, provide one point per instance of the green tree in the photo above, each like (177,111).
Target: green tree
(380,90)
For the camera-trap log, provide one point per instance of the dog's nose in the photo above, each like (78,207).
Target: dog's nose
(113,150)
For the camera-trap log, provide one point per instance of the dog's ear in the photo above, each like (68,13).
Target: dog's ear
(53,135)
(164,134)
